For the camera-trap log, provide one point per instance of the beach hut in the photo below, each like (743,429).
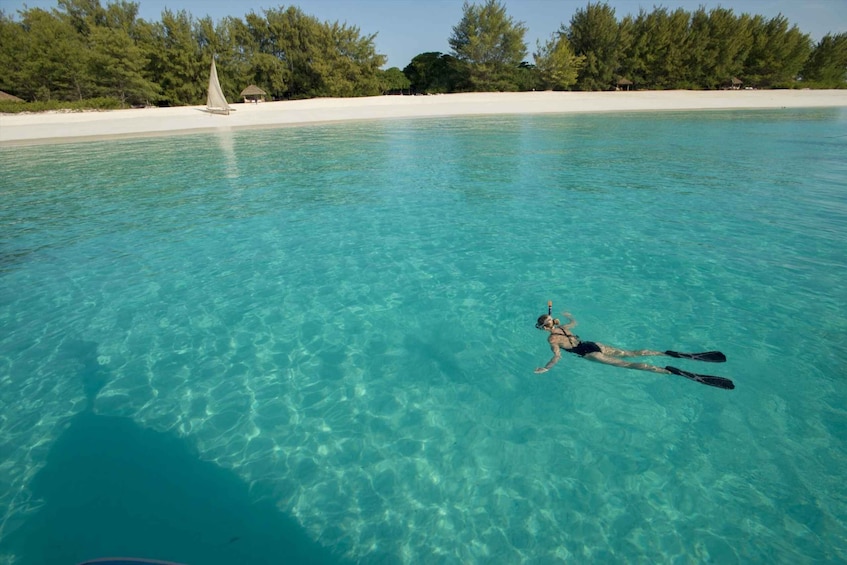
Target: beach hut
(253,94)
(624,84)
(6,97)
(736,83)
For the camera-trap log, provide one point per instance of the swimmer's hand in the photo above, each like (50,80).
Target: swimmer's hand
(541,370)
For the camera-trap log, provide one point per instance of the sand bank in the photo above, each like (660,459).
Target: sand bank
(27,129)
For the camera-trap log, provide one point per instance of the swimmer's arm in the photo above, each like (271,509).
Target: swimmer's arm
(557,354)
(571,322)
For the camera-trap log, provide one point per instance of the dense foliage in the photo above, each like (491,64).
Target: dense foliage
(82,50)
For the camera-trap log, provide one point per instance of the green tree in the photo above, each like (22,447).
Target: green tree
(350,65)
(699,50)
(526,77)
(120,14)
(117,65)
(295,39)
(557,65)
(54,58)
(115,62)
(436,73)
(12,38)
(491,43)
(663,39)
(83,15)
(729,41)
(393,80)
(777,53)
(632,46)
(594,34)
(176,61)
(264,52)
(827,64)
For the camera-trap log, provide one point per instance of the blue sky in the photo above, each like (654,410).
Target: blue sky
(406,28)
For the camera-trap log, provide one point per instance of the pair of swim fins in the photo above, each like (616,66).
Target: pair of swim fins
(709,357)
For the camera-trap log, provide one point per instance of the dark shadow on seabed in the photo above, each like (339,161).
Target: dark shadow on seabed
(111,488)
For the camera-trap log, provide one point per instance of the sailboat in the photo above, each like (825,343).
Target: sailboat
(216,101)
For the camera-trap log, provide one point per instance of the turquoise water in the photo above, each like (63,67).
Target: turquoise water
(322,340)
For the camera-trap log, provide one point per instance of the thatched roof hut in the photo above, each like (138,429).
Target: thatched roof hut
(6,97)
(253,94)
(624,84)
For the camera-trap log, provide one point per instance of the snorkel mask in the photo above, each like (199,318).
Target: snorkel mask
(542,320)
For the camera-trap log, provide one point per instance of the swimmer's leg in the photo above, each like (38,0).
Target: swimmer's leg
(617,362)
(610,351)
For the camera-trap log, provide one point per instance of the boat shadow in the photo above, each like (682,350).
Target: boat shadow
(110,487)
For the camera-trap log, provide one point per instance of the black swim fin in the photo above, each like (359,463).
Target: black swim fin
(718,382)
(708,356)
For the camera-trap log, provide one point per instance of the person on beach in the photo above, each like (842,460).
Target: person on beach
(562,338)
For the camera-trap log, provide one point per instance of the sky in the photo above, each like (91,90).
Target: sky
(406,28)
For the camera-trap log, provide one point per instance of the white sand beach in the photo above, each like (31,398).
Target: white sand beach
(53,127)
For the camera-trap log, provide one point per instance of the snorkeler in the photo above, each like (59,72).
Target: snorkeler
(561,338)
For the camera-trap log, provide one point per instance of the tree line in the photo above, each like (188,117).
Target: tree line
(660,49)
(83,50)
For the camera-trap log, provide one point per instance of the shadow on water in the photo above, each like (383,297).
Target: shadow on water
(112,488)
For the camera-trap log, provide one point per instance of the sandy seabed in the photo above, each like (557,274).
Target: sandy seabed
(54,127)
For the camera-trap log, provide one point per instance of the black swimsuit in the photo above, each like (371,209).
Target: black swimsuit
(582,348)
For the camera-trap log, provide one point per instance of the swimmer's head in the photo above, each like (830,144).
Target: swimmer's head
(545,320)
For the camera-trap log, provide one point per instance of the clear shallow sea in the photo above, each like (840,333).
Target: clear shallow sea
(317,342)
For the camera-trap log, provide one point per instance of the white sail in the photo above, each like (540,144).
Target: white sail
(216,101)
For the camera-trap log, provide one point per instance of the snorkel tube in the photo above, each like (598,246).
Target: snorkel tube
(556,321)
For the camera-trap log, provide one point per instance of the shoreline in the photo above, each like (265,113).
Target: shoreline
(65,127)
